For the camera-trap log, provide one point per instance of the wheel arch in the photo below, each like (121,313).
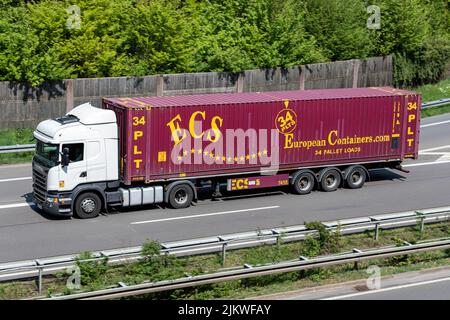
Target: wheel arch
(94,188)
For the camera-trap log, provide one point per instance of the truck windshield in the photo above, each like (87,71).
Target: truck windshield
(48,152)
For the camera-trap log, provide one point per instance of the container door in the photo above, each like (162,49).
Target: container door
(412,128)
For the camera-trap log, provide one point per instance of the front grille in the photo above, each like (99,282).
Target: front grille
(39,186)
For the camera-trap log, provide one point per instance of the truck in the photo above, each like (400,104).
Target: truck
(139,151)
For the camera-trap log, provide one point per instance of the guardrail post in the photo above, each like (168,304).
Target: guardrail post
(224,253)
(40,281)
(40,269)
(422,224)
(377,231)
(356,264)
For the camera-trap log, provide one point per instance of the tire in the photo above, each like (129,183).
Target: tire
(87,205)
(356,177)
(181,196)
(330,180)
(304,183)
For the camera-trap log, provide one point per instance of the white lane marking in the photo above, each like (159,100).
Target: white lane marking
(16,205)
(434,153)
(424,164)
(388,289)
(15,179)
(205,215)
(445,157)
(434,149)
(434,124)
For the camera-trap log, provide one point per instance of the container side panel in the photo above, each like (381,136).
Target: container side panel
(266,131)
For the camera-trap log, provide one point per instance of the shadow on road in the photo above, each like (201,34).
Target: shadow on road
(385,174)
(204,195)
(29,199)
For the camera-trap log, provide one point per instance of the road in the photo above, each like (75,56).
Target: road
(26,234)
(431,284)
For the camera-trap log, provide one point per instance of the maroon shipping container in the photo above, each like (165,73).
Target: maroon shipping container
(164,138)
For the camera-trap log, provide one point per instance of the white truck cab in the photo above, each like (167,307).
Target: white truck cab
(74,153)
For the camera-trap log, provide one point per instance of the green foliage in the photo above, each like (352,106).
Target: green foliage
(16,136)
(421,50)
(156,265)
(326,241)
(91,272)
(141,37)
(339,27)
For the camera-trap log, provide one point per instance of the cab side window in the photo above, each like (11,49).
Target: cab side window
(76,151)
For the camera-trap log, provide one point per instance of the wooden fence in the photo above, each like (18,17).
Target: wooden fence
(23,106)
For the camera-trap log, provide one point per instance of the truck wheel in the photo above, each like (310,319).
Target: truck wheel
(331,180)
(181,196)
(356,177)
(87,205)
(303,183)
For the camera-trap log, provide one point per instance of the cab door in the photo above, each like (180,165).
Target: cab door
(76,172)
(96,161)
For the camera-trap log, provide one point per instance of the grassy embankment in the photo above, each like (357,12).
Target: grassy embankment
(430,92)
(11,137)
(433,92)
(96,275)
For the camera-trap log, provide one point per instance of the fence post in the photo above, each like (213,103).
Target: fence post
(69,95)
(356,64)
(302,77)
(160,85)
(240,82)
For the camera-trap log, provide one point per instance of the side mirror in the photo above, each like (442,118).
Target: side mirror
(65,157)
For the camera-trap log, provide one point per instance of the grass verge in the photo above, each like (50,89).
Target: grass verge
(11,137)
(434,92)
(153,267)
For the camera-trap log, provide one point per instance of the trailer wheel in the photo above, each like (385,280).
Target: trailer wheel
(330,180)
(181,196)
(303,183)
(356,177)
(87,205)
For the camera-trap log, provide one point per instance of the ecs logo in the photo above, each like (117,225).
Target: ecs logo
(286,120)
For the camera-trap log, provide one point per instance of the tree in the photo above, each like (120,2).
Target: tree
(339,27)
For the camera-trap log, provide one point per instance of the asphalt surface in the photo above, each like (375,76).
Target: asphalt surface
(26,234)
(431,284)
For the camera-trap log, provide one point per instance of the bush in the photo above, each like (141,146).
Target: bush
(141,37)
(157,266)
(92,273)
(328,242)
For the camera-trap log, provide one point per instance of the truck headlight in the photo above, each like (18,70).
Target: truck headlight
(54,200)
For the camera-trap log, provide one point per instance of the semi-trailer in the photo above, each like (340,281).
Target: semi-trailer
(138,151)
